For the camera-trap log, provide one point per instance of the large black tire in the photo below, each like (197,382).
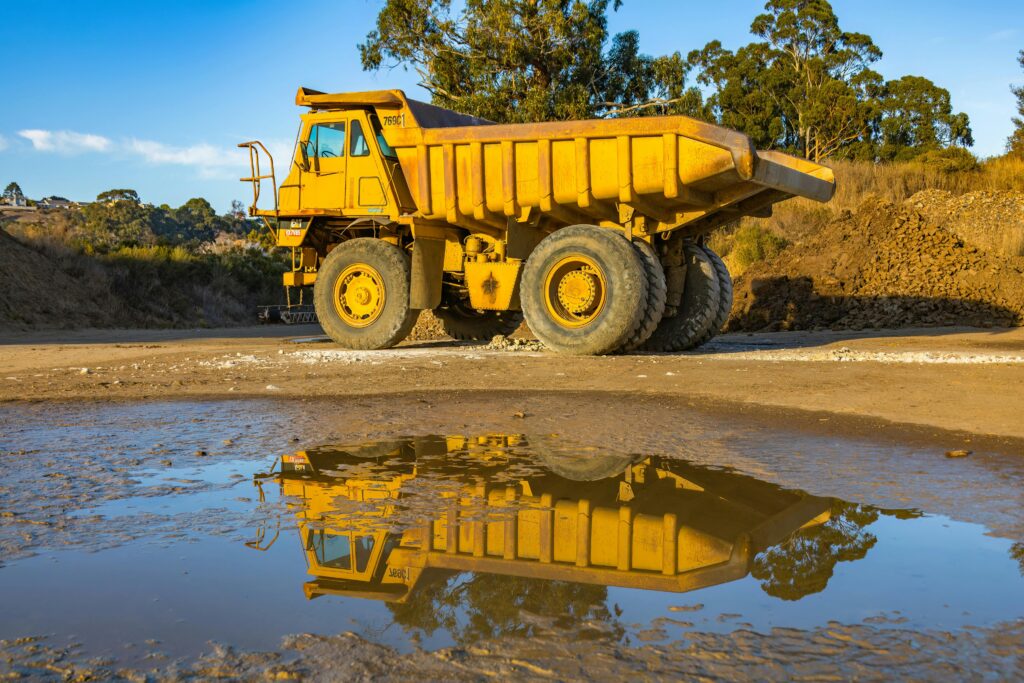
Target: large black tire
(698,309)
(587,466)
(657,293)
(392,321)
(617,298)
(724,298)
(469,324)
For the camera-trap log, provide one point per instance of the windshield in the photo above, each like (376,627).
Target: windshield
(378,132)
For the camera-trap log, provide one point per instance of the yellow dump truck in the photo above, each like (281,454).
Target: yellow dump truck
(640,522)
(592,230)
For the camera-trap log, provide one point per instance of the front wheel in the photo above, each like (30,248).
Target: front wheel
(361,294)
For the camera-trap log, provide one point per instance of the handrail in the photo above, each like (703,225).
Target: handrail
(256,177)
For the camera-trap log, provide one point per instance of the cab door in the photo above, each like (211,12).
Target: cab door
(322,180)
(365,193)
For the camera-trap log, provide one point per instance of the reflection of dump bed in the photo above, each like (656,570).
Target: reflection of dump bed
(694,531)
(661,524)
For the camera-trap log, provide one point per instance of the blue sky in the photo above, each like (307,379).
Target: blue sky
(154,95)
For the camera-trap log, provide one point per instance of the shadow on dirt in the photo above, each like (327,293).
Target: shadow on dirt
(788,304)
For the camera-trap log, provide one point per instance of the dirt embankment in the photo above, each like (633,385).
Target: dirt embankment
(48,284)
(935,260)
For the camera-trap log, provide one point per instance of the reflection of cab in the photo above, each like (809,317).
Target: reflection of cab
(656,523)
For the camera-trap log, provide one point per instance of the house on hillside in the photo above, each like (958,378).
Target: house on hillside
(57,203)
(17,201)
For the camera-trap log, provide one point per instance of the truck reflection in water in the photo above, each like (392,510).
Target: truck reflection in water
(547,530)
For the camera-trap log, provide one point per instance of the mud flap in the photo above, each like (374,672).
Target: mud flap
(427,267)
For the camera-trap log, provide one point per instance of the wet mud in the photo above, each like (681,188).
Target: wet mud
(533,536)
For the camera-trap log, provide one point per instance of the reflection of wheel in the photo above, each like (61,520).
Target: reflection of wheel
(584,290)
(657,291)
(724,298)
(361,294)
(698,308)
(469,324)
(587,466)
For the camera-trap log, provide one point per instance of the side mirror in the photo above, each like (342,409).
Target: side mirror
(304,151)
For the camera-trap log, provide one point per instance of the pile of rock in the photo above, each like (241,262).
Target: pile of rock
(992,221)
(502,343)
(427,327)
(883,266)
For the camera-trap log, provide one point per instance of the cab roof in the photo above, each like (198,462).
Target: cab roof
(423,115)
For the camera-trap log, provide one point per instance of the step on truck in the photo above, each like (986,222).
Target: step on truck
(594,231)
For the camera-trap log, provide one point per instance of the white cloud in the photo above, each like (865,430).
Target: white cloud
(195,155)
(211,161)
(1004,34)
(65,141)
(3,143)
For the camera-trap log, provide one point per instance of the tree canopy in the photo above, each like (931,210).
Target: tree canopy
(119,195)
(804,85)
(525,60)
(119,219)
(804,563)
(474,607)
(807,87)
(13,191)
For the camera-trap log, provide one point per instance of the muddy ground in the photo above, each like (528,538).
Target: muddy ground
(939,379)
(865,417)
(155,483)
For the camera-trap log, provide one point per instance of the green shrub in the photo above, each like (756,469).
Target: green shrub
(949,160)
(748,243)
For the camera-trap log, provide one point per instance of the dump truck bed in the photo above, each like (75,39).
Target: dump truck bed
(675,170)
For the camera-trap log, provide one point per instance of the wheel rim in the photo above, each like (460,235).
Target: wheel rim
(574,291)
(359,295)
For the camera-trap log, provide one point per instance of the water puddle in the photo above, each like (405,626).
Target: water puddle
(455,539)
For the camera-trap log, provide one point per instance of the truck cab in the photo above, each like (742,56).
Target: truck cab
(342,165)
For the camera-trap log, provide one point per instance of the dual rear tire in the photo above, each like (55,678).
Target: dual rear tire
(704,306)
(587,291)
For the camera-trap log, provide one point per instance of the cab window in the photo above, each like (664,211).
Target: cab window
(327,140)
(358,148)
(364,547)
(332,550)
(378,132)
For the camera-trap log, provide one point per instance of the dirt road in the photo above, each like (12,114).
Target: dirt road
(964,380)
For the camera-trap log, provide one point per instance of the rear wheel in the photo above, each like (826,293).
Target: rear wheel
(361,294)
(587,466)
(657,292)
(698,309)
(584,290)
(462,322)
(724,298)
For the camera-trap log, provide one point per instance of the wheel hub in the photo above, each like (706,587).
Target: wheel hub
(577,291)
(574,291)
(359,295)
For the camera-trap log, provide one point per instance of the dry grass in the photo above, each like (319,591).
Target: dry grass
(856,181)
